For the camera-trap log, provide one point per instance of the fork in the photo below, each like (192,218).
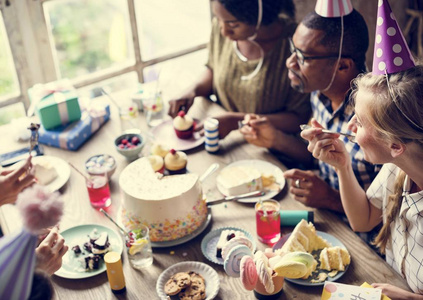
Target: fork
(350,137)
(33,142)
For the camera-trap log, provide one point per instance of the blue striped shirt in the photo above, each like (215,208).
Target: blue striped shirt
(338,120)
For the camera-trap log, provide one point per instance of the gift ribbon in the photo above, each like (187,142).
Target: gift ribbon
(41,91)
(62,106)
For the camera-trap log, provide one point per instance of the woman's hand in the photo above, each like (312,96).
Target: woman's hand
(50,252)
(326,146)
(13,181)
(183,103)
(259,131)
(396,293)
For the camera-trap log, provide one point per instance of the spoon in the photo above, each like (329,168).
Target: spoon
(110,218)
(209,171)
(350,137)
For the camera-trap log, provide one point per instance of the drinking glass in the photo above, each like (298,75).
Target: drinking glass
(138,247)
(268,221)
(98,190)
(154,108)
(129,117)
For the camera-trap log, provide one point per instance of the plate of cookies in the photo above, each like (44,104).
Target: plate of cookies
(188,280)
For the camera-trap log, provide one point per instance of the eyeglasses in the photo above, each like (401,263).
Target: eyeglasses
(394,99)
(300,56)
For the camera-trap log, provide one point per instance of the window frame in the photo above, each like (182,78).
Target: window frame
(33,54)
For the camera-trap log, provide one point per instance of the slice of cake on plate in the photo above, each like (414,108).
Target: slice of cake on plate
(239,180)
(334,258)
(44,172)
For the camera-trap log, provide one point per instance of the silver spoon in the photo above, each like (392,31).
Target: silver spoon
(350,137)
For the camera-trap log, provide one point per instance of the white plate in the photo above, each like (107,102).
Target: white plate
(164,133)
(62,169)
(209,243)
(208,273)
(307,282)
(78,235)
(263,167)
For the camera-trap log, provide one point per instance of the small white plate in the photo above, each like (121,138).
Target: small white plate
(263,167)
(78,235)
(209,243)
(164,133)
(62,169)
(307,282)
(208,273)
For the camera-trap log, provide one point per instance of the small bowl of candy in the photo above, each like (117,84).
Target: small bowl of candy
(130,145)
(101,163)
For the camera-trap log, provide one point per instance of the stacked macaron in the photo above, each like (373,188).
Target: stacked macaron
(264,272)
(184,125)
(176,162)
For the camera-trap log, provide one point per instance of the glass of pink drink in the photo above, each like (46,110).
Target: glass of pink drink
(268,221)
(99,191)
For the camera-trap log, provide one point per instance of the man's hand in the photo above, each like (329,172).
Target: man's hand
(259,131)
(50,252)
(309,189)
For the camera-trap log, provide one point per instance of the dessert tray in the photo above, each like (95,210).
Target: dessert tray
(165,132)
(209,243)
(208,273)
(71,267)
(308,282)
(263,167)
(62,169)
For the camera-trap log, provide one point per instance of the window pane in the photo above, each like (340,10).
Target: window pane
(10,112)
(177,74)
(9,85)
(89,36)
(166,26)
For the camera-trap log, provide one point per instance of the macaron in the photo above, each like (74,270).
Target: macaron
(238,240)
(248,273)
(233,259)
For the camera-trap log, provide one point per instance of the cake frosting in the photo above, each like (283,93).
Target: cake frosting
(159,149)
(44,172)
(157,163)
(182,121)
(171,206)
(175,160)
(239,180)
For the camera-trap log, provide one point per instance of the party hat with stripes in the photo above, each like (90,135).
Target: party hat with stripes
(333,8)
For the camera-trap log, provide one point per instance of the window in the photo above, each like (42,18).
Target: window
(100,42)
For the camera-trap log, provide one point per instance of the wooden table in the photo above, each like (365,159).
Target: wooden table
(366,265)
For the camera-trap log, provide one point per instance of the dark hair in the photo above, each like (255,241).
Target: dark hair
(356,35)
(246,11)
(41,289)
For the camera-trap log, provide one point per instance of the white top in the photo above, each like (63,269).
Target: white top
(405,254)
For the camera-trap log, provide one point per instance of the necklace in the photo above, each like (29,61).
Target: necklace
(238,53)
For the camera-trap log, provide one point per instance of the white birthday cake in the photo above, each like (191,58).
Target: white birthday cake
(171,206)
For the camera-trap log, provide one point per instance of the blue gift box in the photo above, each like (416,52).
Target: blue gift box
(74,135)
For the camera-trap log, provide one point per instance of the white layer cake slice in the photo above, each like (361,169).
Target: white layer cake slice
(239,180)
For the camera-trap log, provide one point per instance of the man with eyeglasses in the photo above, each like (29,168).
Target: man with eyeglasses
(316,67)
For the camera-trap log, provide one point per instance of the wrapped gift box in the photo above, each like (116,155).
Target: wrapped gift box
(72,136)
(56,103)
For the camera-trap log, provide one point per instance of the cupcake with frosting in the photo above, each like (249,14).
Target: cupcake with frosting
(183,125)
(159,149)
(157,163)
(176,162)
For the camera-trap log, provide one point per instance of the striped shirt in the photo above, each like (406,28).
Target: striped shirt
(267,92)
(405,251)
(338,120)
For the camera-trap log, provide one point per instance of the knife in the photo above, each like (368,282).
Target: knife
(236,197)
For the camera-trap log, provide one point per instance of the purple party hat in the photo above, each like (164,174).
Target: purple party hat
(391,52)
(40,209)
(333,8)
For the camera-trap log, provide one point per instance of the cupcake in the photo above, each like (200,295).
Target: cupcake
(176,162)
(159,149)
(183,125)
(157,163)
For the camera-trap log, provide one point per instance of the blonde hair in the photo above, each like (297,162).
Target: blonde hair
(390,124)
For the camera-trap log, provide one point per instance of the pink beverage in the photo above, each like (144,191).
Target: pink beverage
(268,221)
(99,191)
